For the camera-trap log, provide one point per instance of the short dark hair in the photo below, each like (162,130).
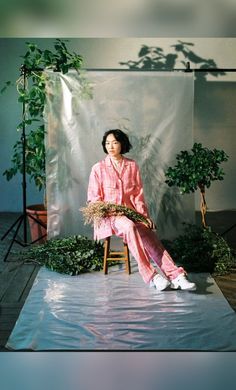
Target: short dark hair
(121,137)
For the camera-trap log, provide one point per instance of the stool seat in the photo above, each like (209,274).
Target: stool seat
(110,255)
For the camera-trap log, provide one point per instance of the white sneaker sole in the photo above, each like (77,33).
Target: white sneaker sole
(152,284)
(178,287)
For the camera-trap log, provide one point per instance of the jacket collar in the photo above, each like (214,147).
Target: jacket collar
(109,162)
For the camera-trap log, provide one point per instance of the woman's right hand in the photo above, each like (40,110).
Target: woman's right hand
(150,224)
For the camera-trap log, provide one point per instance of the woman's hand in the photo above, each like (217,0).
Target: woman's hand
(150,224)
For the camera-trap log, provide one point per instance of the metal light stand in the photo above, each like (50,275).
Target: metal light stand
(22,219)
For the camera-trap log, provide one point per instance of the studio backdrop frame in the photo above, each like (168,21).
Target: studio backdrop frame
(154,108)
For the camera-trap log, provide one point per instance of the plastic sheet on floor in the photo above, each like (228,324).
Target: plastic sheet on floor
(119,312)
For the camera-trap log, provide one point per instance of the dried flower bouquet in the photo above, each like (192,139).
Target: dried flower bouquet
(94,212)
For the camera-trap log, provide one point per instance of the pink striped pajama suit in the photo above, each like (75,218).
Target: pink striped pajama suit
(125,187)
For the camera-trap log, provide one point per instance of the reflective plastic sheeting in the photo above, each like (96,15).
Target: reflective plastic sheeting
(118,311)
(155,109)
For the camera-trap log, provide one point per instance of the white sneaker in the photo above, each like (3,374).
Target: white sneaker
(160,282)
(182,283)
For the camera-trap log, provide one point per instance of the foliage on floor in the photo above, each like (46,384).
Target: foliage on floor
(71,255)
(200,249)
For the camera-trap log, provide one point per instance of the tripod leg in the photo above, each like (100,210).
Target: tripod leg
(20,219)
(229,229)
(40,223)
(10,228)
(38,239)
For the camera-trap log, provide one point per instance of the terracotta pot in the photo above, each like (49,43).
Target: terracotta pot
(37,215)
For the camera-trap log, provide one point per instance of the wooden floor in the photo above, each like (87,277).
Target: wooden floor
(16,279)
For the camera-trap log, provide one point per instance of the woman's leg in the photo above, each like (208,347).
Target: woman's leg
(125,228)
(158,253)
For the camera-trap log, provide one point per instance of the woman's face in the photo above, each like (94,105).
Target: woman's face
(113,146)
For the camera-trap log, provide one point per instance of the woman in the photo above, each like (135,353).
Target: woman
(117,179)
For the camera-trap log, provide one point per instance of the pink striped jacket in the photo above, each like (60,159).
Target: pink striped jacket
(106,184)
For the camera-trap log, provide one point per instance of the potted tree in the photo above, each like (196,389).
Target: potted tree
(31,89)
(196,170)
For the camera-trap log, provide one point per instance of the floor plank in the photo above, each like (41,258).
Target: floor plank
(20,281)
(6,279)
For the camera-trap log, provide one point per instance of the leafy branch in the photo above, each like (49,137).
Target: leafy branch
(70,255)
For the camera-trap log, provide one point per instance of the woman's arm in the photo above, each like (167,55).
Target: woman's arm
(138,196)
(94,188)
(139,200)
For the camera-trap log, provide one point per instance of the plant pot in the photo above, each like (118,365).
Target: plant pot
(37,218)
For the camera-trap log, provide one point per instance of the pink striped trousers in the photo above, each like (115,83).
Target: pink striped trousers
(144,245)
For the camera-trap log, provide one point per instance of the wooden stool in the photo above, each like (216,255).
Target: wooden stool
(110,255)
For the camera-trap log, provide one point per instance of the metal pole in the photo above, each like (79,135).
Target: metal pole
(23,140)
(23,217)
(187,69)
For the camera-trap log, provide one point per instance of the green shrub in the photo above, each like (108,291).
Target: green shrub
(199,249)
(71,255)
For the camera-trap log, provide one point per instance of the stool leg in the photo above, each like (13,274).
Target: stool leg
(106,254)
(126,250)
